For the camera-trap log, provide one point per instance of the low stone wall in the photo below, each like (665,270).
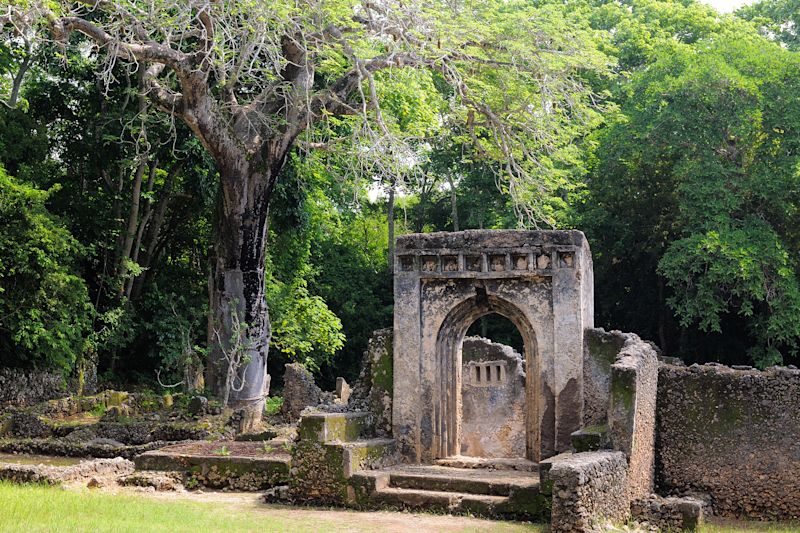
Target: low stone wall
(54,475)
(588,488)
(669,514)
(20,387)
(733,434)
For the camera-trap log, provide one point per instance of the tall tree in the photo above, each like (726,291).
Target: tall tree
(250,77)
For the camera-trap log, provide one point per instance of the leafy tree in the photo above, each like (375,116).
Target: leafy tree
(44,306)
(694,197)
(777,19)
(249,78)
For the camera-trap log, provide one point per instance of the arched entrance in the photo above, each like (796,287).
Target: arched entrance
(449,349)
(540,280)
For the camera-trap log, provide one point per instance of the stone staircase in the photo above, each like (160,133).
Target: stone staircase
(474,490)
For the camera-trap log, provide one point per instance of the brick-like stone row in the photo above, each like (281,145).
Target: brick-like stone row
(732,434)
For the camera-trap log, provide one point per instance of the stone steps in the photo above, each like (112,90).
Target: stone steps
(452,502)
(454,490)
(463,461)
(441,478)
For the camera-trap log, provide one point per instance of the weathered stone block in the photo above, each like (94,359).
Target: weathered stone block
(299,391)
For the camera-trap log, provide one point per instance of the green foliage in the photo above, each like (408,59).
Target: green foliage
(44,306)
(697,184)
(777,19)
(303,327)
(273,405)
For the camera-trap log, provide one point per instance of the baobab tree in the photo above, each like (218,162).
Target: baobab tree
(254,80)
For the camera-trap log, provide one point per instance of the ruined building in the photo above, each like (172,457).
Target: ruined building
(580,426)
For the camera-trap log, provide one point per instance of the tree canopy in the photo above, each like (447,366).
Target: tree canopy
(181,170)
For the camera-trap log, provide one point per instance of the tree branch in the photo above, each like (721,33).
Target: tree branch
(151,52)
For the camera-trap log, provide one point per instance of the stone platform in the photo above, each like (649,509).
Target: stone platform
(234,465)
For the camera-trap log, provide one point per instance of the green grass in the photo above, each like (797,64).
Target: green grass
(37,509)
(735,526)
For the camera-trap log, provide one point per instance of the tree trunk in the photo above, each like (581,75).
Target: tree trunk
(390,222)
(453,203)
(241,329)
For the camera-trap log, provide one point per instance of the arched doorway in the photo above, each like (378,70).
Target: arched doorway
(448,407)
(493,377)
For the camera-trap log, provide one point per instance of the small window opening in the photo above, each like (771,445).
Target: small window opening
(478,374)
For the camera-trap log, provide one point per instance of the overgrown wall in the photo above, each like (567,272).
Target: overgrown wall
(632,412)
(620,382)
(733,434)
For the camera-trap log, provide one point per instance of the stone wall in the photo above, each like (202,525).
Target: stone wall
(621,379)
(492,400)
(632,412)
(732,434)
(588,489)
(373,389)
(26,387)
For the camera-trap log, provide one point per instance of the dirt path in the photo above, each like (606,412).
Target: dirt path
(348,521)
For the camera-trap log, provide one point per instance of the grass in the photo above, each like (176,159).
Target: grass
(732,526)
(39,509)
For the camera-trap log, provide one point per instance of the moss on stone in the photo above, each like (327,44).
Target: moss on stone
(622,391)
(382,370)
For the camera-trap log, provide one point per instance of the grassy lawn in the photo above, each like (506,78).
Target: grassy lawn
(34,509)
(730,526)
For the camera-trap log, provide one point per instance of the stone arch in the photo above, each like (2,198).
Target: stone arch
(448,349)
(540,280)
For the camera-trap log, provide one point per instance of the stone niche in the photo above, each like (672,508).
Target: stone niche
(492,400)
(540,280)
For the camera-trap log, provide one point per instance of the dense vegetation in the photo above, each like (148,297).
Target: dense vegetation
(678,154)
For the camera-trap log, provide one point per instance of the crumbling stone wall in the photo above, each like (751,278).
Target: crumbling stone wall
(492,400)
(621,380)
(733,434)
(26,387)
(632,412)
(588,488)
(373,390)
(600,351)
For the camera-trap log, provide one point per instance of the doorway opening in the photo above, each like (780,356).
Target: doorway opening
(493,390)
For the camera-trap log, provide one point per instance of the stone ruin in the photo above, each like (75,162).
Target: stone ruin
(582,428)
